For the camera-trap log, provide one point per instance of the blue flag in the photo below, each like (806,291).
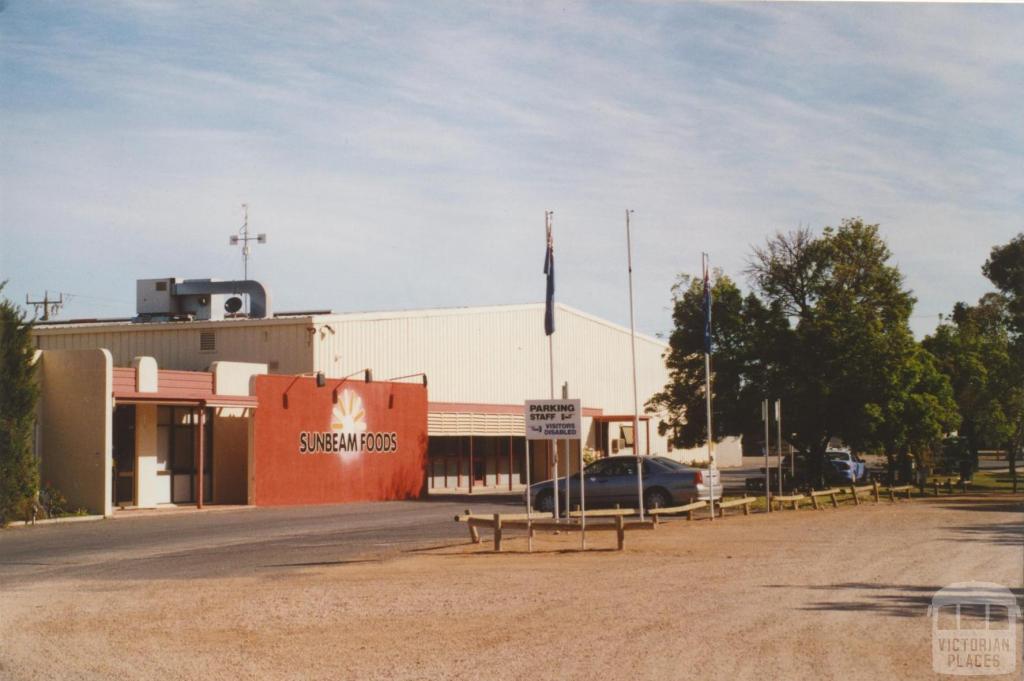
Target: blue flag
(707,311)
(549,300)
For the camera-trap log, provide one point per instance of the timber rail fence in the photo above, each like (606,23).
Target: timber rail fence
(614,519)
(499,522)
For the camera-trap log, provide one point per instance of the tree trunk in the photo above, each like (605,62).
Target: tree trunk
(816,464)
(1011,455)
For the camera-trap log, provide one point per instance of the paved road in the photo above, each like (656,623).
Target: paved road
(186,545)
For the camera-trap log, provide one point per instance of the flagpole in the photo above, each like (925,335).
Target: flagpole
(636,399)
(712,467)
(549,219)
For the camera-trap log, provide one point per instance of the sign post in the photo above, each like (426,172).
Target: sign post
(554,420)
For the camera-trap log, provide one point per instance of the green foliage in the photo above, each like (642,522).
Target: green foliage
(53,502)
(826,329)
(683,401)
(19,473)
(978,351)
(1005,269)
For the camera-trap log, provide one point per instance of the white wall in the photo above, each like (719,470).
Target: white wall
(151,488)
(76,426)
(496,355)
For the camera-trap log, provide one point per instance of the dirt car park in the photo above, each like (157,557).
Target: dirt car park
(838,593)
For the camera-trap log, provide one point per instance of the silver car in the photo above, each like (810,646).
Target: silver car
(613,481)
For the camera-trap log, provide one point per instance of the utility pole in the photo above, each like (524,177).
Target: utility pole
(48,306)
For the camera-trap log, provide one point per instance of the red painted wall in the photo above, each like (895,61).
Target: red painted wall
(386,423)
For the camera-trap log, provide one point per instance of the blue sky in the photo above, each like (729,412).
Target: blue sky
(403,155)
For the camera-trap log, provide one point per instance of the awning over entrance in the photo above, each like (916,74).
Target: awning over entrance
(182,388)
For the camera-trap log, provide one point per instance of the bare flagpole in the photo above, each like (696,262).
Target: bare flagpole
(778,438)
(636,398)
(712,466)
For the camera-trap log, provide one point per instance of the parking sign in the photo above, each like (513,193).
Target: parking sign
(553,419)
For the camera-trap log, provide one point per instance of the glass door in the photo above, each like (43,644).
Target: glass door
(123,487)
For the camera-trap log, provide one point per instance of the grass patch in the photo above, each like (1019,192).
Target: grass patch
(981,482)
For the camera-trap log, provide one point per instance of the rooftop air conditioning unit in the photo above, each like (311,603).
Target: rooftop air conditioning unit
(169,299)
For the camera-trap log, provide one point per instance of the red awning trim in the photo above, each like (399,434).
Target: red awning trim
(193,388)
(478,408)
(240,401)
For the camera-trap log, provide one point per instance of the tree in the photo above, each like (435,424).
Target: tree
(738,325)
(843,371)
(974,349)
(1005,269)
(19,473)
(919,412)
(826,329)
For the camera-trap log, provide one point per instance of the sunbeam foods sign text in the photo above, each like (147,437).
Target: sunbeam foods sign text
(553,419)
(348,433)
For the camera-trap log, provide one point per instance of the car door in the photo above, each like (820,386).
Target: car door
(598,483)
(622,481)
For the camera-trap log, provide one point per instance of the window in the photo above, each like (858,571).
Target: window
(627,434)
(207,341)
(599,468)
(622,466)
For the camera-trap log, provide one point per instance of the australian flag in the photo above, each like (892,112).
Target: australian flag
(549,300)
(707,310)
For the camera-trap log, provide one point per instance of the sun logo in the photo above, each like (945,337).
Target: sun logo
(349,416)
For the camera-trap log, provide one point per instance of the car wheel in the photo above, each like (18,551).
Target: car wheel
(545,502)
(656,498)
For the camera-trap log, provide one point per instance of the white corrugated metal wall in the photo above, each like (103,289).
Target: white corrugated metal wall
(495,355)
(284,344)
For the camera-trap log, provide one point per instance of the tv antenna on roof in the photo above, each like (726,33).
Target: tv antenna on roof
(244,238)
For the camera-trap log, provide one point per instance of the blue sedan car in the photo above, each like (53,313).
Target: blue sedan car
(846,467)
(613,480)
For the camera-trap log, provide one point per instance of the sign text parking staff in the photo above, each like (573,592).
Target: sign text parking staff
(553,419)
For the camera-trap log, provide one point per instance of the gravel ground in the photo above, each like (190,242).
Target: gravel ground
(833,594)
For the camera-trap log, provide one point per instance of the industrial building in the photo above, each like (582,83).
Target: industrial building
(479,365)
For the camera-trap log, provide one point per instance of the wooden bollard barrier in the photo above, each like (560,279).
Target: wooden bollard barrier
(620,530)
(474,533)
(935,484)
(497,532)
(875,484)
(892,494)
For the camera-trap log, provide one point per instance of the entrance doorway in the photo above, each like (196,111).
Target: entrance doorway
(123,487)
(176,428)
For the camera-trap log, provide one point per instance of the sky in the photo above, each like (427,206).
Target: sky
(402,155)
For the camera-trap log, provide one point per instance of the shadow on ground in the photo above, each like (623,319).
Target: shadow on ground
(906,600)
